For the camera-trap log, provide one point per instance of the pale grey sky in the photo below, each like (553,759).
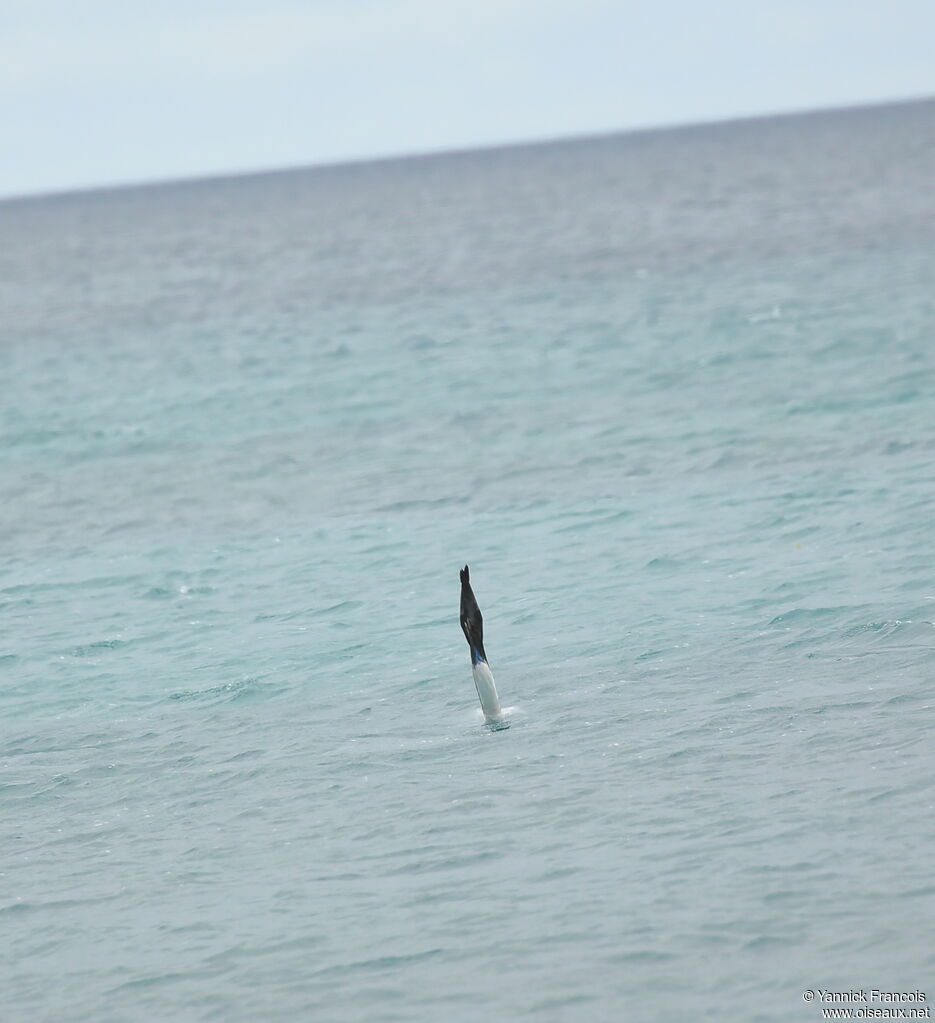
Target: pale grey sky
(111,91)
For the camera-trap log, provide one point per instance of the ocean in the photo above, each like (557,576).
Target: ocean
(670,394)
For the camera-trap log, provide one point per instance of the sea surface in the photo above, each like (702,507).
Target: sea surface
(670,394)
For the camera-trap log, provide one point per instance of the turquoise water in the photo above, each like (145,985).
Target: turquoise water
(671,395)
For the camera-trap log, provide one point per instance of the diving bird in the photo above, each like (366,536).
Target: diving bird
(472,624)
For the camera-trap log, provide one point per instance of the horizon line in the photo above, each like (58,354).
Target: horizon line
(455,150)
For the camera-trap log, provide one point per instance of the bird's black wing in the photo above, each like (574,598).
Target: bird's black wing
(472,621)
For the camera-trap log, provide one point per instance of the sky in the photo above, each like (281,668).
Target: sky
(115,91)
